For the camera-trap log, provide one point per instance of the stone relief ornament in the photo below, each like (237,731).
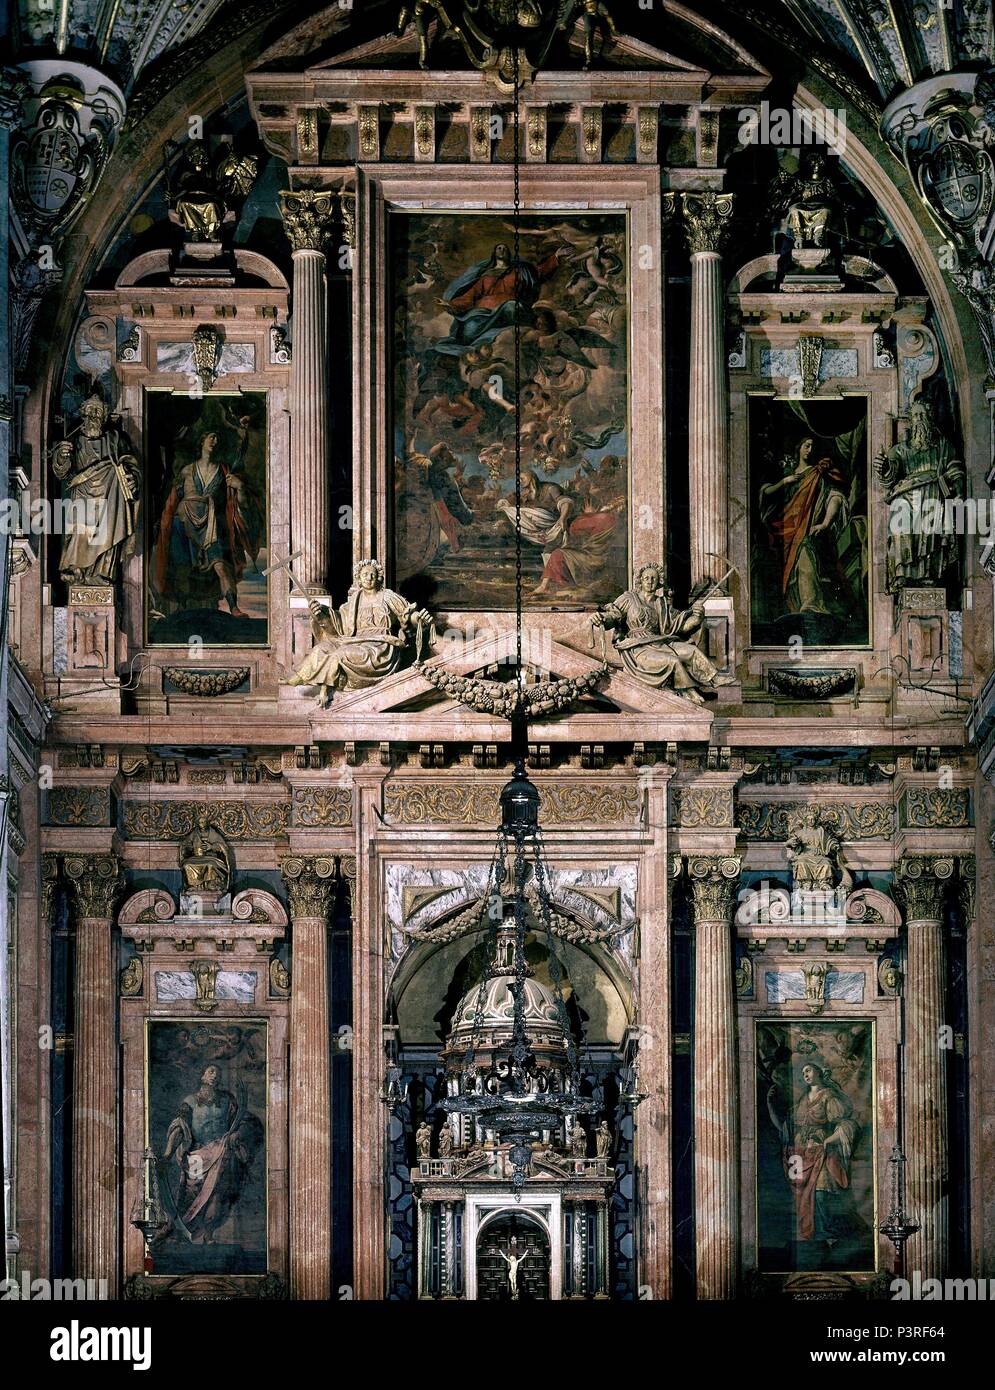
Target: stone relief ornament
(206,354)
(206,683)
(279,978)
(365,640)
(815,854)
(236,820)
(132,977)
(505,698)
(101,485)
(889,977)
(204,191)
(824,684)
(815,985)
(921,476)
(658,643)
(60,155)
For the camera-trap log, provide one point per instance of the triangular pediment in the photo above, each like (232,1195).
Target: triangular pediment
(411,695)
(666,39)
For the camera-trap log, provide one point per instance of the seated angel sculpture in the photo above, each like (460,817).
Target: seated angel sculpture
(658,642)
(365,639)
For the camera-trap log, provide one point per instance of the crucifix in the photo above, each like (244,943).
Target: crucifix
(285,564)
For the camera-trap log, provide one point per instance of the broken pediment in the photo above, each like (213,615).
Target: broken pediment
(409,706)
(395,38)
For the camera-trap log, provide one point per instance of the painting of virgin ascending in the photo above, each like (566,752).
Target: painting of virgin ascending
(458,292)
(815,1146)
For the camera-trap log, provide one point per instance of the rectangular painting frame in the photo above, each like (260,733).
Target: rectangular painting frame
(233,544)
(829,1218)
(816,574)
(452,480)
(556,190)
(252,1132)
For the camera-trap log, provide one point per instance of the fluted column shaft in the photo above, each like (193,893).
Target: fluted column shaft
(716,1097)
(307,219)
(706,218)
(921,882)
(94,882)
(310,886)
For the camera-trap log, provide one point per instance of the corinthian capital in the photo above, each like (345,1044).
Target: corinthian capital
(707,220)
(921,881)
(714,883)
(307,218)
(94,881)
(310,881)
(49,884)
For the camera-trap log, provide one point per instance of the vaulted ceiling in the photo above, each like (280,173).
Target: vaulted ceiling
(879,46)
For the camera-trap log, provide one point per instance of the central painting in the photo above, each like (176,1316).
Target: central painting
(458,292)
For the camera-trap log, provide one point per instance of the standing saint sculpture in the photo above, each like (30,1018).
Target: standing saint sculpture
(365,639)
(922,475)
(659,643)
(102,481)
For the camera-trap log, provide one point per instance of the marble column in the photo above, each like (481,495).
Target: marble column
(707,219)
(714,882)
(654,1134)
(311,882)
(94,881)
(307,219)
(921,881)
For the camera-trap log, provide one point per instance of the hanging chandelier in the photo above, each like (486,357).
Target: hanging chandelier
(519,1078)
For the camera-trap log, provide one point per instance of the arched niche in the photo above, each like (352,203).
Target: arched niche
(435,977)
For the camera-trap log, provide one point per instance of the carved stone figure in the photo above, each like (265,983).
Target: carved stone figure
(446,1142)
(202,191)
(810,202)
(815,855)
(365,639)
(659,643)
(922,476)
(423,1140)
(594,17)
(206,861)
(578,1141)
(102,486)
(603,1139)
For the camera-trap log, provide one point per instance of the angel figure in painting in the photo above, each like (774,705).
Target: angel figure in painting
(365,639)
(659,645)
(817,1144)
